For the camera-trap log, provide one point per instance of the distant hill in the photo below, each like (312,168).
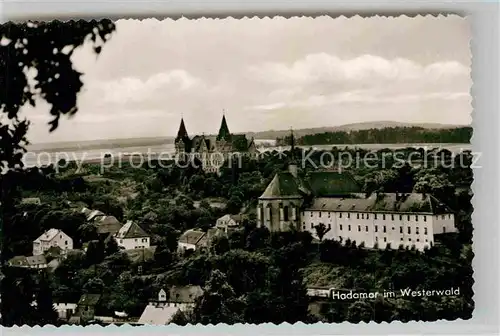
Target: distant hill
(263,135)
(100,144)
(273,134)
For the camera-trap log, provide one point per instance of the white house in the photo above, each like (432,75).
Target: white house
(65,310)
(161,311)
(52,238)
(228,223)
(192,240)
(132,236)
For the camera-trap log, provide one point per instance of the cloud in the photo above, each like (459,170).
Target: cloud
(323,80)
(298,72)
(132,89)
(323,67)
(316,101)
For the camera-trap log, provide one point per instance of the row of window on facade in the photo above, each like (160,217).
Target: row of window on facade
(284,212)
(385,239)
(367,216)
(384,228)
(143,240)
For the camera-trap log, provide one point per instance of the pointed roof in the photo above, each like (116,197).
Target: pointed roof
(292,147)
(283,185)
(131,230)
(182,132)
(223,130)
(319,184)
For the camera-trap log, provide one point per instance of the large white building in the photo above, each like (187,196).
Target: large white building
(380,219)
(131,236)
(52,238)
(335,200)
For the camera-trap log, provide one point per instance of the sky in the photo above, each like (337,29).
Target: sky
(271,73)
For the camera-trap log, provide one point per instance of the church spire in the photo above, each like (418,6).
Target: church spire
(292,164)
(292,145)
(223,130)
(182,133)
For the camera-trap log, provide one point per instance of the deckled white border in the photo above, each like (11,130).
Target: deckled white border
(483,17)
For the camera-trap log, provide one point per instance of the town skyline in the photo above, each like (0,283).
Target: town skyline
(271,75)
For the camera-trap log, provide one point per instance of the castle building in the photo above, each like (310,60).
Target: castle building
(335,200)
(213,151)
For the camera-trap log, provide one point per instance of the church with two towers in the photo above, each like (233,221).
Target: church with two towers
(213,151)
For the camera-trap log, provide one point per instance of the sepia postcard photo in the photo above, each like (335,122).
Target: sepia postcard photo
(304,169)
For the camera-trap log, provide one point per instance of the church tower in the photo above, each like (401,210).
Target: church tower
(279,206)
(182,140)
(224,138)
(292,164)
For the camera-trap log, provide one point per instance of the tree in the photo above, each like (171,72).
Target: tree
(220,245)
(321,230)
(46,48)
(111,247)
(163,256)
(95,252)
(45,311)
(219,303)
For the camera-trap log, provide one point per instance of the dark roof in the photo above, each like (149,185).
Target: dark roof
(36,260)
(198,139)
(131,230)
(240,142)
(319,184)
(284,185)
(107,224)
(89,299)
(237,218)
(54,250)
(184,294)
(192,237)
(182,132)
(224,130)
(331,183)
(386,202)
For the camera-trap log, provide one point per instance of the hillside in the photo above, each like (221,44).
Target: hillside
(273,134)
(263,135)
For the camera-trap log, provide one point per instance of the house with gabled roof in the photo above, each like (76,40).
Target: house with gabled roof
(160,311)
(52,238)
(107,225)
(192,240)
(86,307)
(37,262)
(132,236)
(334,201)
(228,223)
(90,215)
